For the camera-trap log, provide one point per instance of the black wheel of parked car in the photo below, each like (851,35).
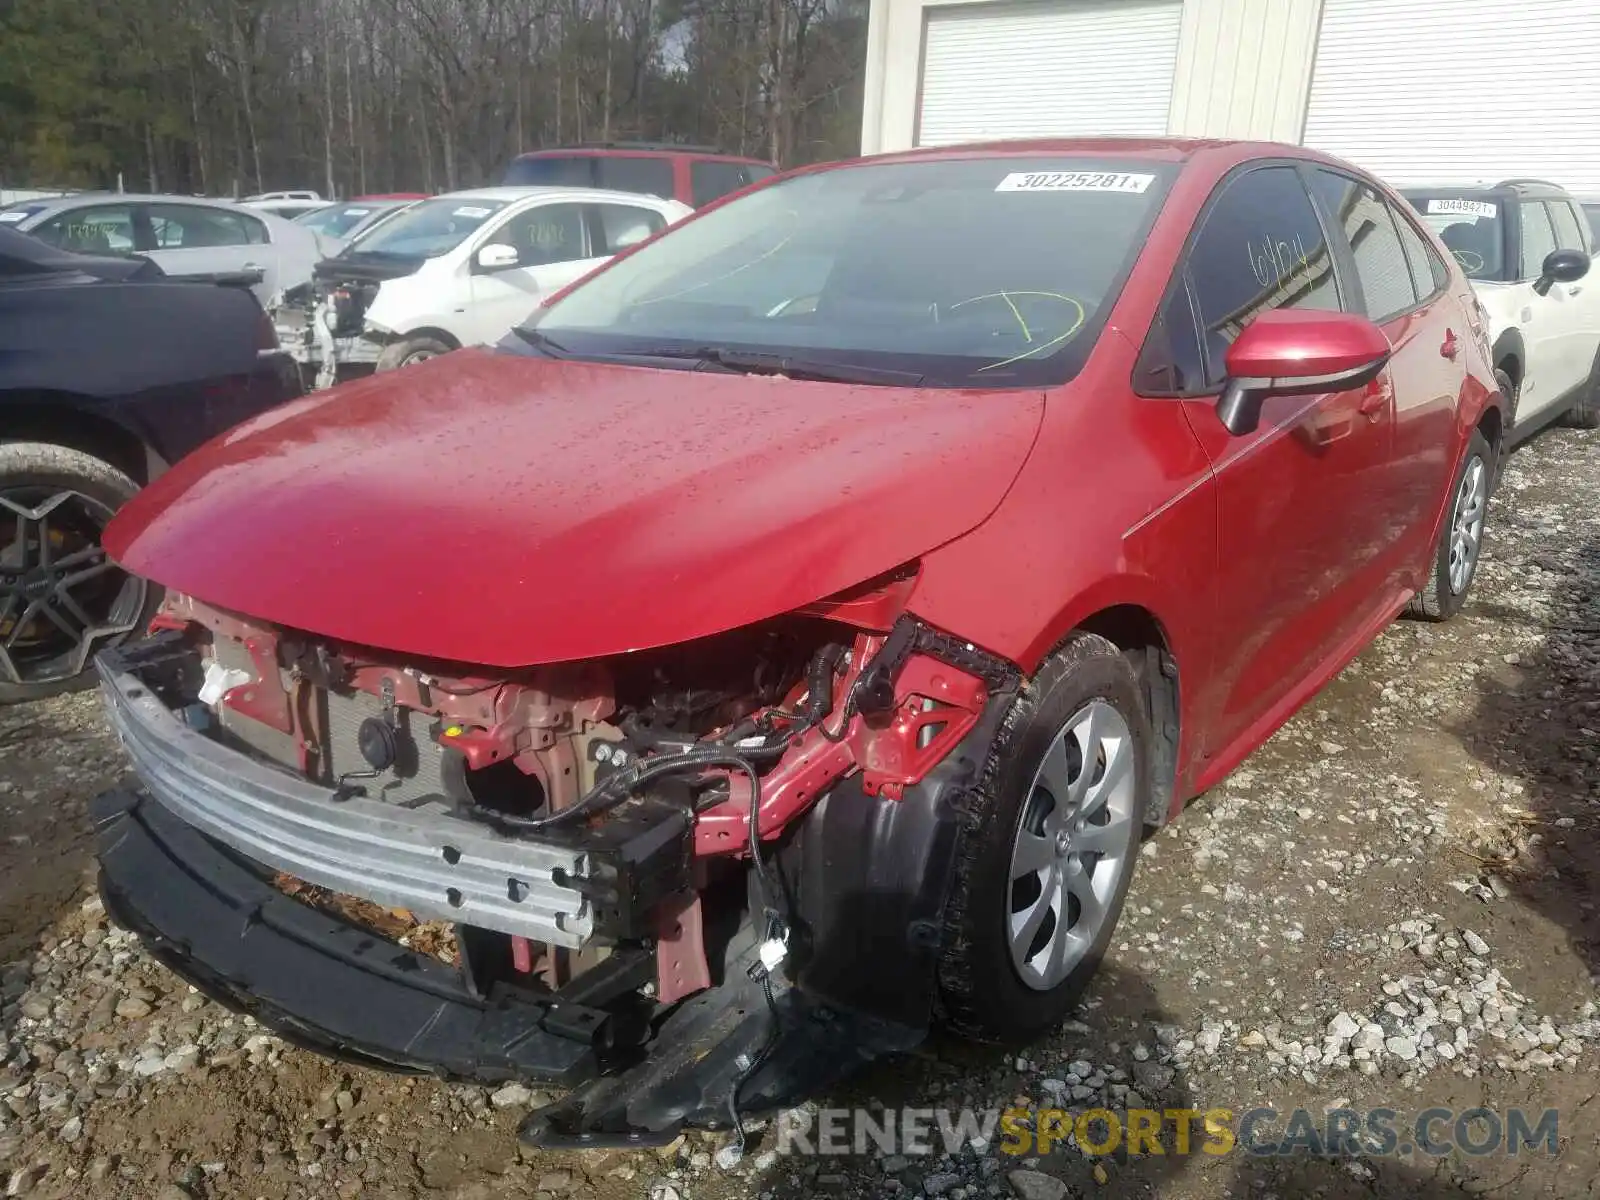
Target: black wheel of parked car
(1047,848)
(61,598)
(409,351)
(1455,557)
(1585,413)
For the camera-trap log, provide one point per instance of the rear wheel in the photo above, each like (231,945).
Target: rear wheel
(1455,557)
(61,598)
(1047,849)
(409,351)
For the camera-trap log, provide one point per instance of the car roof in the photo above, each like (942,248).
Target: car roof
(662,149)
(508,195)
(84,199)
(1219,154)
(1518,187)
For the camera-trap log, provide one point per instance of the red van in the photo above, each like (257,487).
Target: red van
(695,175)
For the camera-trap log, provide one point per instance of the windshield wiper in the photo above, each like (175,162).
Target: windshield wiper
(758,362)
(540,341)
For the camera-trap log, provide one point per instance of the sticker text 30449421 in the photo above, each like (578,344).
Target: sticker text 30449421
(1074,181)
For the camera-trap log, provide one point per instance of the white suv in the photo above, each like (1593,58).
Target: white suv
(1525,244)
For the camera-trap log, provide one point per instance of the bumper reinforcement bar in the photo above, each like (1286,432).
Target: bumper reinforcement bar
(320,982)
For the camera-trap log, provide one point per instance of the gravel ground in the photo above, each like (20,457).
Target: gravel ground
(1394,903)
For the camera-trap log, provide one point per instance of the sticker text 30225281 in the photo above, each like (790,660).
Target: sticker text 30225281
(1075,181)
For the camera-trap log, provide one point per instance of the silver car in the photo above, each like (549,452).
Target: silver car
(186,236)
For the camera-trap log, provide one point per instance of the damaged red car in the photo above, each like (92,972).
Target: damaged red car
(782,642)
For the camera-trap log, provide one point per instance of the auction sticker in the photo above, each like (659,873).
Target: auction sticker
(470,211)
(1462,208)
(1074,181)
(7,218)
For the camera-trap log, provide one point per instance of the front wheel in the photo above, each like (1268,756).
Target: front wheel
(1455,557)
(1047,846)
(61,598)
(409,351)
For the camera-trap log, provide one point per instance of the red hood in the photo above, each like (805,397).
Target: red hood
(506,511)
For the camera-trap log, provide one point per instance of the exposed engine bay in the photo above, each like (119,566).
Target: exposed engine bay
(621,841)
(322,322)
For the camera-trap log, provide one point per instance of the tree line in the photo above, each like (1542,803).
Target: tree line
(352,96)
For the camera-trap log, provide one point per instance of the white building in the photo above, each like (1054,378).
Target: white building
(1417,91)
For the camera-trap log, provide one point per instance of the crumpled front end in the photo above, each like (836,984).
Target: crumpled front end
(641,876)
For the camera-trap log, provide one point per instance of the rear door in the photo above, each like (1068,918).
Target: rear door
(553,248)
(1300,539)
(1403,290)
(195,240)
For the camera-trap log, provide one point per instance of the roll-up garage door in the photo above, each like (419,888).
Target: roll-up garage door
(1052,68)
(1460,91)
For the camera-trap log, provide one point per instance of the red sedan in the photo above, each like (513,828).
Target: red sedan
(784,639)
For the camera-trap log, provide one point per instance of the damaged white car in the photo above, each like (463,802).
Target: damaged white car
(458,270)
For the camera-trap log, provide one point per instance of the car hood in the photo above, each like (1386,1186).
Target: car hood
(496,509)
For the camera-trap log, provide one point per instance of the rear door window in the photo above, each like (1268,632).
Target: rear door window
(1385,273)
(177,227)
(1592,211)
(624,225)
(1428,273)
(1538,239)
(645,174)
(1260,248)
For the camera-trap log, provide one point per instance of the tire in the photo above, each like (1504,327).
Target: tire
(987,989)
(1585,412)
(60,498)
(1445,592)
(411,350)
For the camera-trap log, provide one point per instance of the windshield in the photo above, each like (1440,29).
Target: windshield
(1469,225)
(431,228)
(968,272)
(339,220)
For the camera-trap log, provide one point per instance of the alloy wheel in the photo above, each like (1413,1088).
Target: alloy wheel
(1466,523)
(60,595)
(1071,845)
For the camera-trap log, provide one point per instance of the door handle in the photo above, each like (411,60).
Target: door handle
(1574,289)
(1373,403)
(1451,347)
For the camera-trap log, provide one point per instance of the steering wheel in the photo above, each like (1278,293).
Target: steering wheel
(1470,260)
(1063,318)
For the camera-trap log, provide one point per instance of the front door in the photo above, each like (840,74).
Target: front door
(1552,322)
(1299,538)
(553,248)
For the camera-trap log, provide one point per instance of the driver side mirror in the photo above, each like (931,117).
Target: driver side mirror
(1295,352)
(1561,266)
(497,257)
